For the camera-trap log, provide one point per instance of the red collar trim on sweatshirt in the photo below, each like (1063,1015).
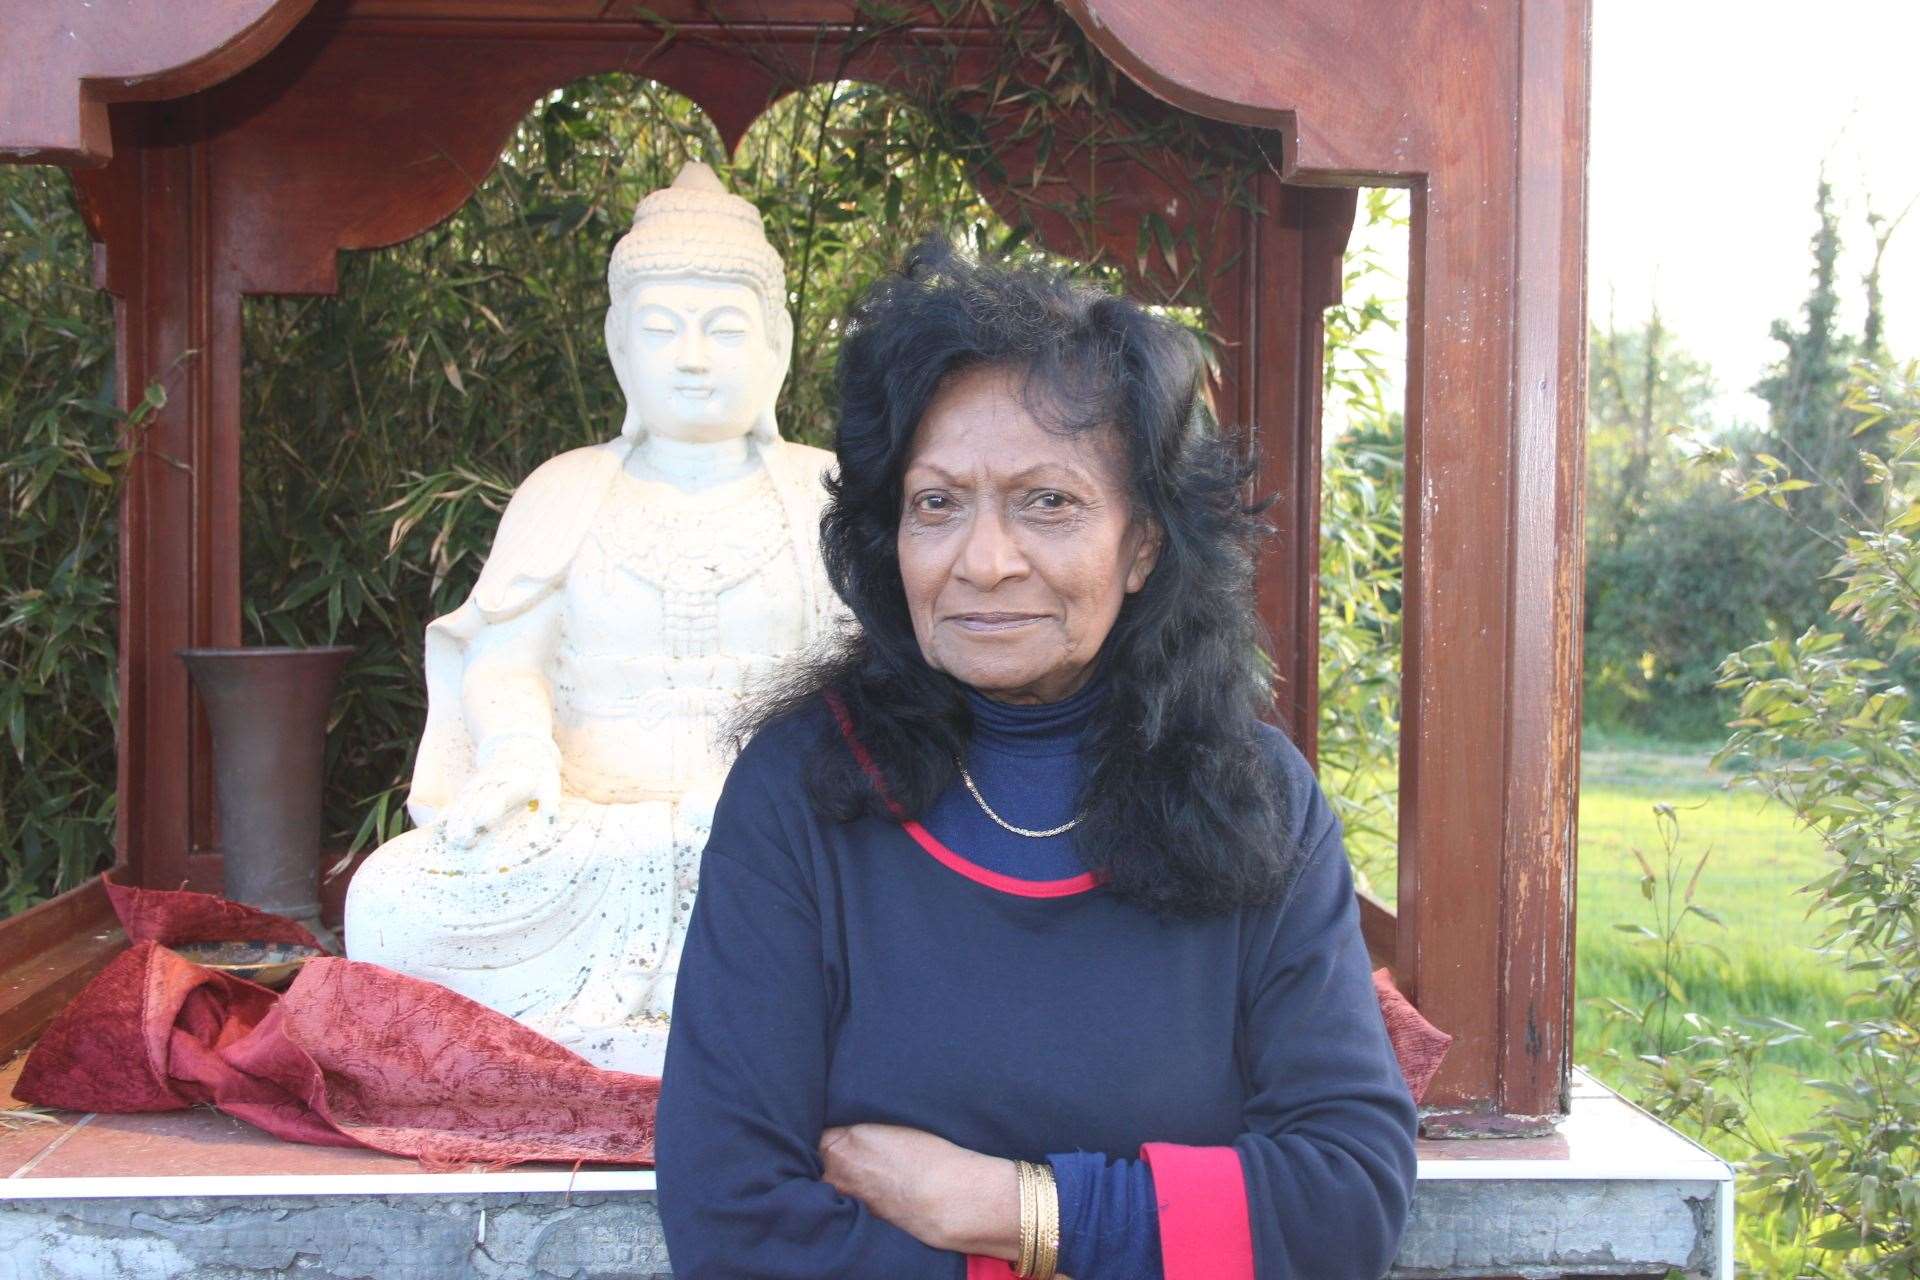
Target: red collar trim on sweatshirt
(931,844)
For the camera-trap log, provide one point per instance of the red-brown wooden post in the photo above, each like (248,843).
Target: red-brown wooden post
(180,524)
(1488,128)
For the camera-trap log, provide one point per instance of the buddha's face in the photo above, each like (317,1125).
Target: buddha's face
(695,358)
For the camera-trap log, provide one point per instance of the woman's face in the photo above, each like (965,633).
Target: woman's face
(1017,544)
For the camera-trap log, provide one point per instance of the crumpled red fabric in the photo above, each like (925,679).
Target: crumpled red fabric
(174,916)
(1418,1045)
(353,1055)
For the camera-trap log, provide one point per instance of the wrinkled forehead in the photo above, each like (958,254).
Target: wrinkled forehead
(1000,420)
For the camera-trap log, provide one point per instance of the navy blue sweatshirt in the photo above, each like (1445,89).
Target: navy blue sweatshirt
(871,971)
(1026,761)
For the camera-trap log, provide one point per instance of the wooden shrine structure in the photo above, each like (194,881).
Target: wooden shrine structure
(228,148)
(233,148)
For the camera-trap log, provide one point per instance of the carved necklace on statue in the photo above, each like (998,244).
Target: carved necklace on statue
(986,808)
(693,548)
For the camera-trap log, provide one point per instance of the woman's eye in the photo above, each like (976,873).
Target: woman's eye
(1049,500)
(932,503)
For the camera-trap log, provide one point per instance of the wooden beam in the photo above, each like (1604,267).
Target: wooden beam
(47,954)
(1381,928)
(177,321)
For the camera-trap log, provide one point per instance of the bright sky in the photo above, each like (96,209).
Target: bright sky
(1710,120)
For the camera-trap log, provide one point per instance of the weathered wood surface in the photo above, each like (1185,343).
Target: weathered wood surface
(47,954)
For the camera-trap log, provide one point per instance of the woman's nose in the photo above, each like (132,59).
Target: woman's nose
(989,556)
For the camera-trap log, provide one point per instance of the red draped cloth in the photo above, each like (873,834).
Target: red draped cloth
(353,1055)
(1418,1045)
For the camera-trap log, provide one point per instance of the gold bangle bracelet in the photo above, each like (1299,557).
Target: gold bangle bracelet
(1029,1218)
(1047,1250)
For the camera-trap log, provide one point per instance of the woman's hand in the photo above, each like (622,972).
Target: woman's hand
(943,1195)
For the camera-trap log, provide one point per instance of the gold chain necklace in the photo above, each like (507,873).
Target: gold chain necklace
(988,809)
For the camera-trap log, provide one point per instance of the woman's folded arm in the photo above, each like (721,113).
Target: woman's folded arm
(1327,1159)
(742,1101)
(1319,1184)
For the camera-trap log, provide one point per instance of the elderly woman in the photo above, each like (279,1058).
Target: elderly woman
(1022,945)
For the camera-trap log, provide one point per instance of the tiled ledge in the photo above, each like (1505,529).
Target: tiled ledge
(197,1193)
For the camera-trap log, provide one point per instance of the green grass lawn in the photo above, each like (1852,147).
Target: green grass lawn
(1760,961)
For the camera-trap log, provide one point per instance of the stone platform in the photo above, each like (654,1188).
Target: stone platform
(196,1195)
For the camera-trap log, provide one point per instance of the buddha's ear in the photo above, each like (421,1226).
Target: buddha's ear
(765,427)
(616,339)
(782,343)
(616,343)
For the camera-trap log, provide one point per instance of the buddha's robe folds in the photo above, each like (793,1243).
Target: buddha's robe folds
(671,603)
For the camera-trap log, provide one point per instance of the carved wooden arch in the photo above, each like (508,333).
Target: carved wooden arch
(422,146)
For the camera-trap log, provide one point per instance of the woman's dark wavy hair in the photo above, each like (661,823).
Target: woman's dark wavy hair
(1183,814)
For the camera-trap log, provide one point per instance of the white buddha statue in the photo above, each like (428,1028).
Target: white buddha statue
(566,780)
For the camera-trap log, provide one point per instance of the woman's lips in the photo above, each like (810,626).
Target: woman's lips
(994,621)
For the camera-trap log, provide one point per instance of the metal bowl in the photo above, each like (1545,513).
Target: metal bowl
(271,964)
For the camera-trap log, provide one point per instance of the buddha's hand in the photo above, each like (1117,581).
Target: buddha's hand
(942,1194)
(516,773)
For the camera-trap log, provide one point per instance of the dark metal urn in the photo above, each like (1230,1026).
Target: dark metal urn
(268,709)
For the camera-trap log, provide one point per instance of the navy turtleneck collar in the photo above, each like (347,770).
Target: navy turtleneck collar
(1036,729)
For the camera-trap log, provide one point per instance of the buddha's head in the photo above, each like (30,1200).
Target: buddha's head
(698,328)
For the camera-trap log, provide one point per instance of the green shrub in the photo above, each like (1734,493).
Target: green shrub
(1824,728)
(1690,581)
(62,451)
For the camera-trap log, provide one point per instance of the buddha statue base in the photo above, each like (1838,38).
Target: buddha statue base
(638,1045)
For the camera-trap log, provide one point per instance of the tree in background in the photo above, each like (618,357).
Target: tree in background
(1825,726)
(1807,426)
(1678,573)
(1814,443)
(1643,388)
